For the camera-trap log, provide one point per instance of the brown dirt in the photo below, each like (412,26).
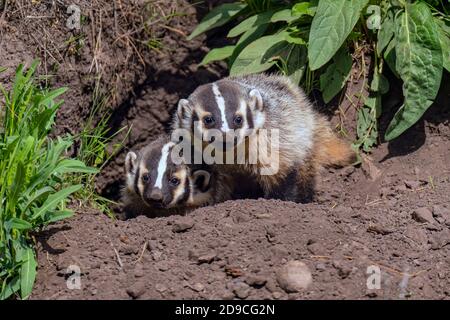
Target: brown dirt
(360,217)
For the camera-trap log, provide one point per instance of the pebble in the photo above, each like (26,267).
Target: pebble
(423,215)
(160,288)
(136,290)
(255,280)
(294,276)
(183,224)
(412,184)
(241,290)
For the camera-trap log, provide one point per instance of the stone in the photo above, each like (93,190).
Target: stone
(183,224)
(294,276)
(423,215)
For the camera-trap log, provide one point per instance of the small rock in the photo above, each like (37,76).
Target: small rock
(183,224)
(370,169)
(343,270)
(206,258)
(136,290)
(162,266)
(128,249)
(277,295)
(271,285)
(380,229)
(255,280)
(412,184)
(233,271)
(241,290)
(160,287)
(198,287)
(423,215)
(321,266)
(227,295)
(294,276)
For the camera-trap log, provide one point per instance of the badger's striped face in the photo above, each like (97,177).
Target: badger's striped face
(158,181)
(223,107)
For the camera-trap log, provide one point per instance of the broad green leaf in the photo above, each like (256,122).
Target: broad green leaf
(247,38)
(217,17)
(9,288)
(332,23)
(72,166)
(254,58)
(302,8)
(335,77)
(386,32)
(444,37)
(27,273)
(379,83)
(296,63)
(218,54)
(54,199)
(59,215)
(251,22)
(390,58)
(419,64)
(52,95)
(17,185)
(19,224)
(284,15)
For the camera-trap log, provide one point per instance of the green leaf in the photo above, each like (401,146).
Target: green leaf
(302,8)
(54,199)
(19,224)
(27,274)
(247,38)
(218,54)
(444,38)
(334,78)
(284,15)
(332,23)
(296,63)
(59,215)
(9,288)
(386,32)
(419,64)
(72,166)
(254,57)
(217,17)
(52,95)
(251,22)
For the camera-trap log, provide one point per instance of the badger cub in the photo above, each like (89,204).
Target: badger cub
(156,186)
(253,104)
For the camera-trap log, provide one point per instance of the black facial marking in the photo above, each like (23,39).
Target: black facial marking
(249,117)
(136,180)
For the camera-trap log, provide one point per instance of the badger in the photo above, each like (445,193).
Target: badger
(249,105)
(156,186)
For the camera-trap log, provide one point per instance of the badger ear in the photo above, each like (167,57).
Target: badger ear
(256,101)
(130,163)
(184,110)
(201,180)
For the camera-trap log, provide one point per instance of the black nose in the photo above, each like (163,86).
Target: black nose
(156,194)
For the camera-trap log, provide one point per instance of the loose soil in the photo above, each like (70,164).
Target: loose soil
(391,213)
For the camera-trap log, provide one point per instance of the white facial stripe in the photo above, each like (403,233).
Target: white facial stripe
(162,165)
(221,104)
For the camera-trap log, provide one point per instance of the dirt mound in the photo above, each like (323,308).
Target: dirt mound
(392,214)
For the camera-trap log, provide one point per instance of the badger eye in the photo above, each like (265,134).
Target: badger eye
(145,177)
(208,120)
(174,181)
(237,120)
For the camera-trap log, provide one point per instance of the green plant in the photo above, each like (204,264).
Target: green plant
(92,144)
(33,172)
(317,37)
